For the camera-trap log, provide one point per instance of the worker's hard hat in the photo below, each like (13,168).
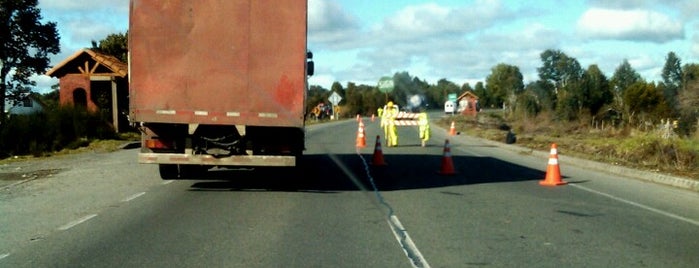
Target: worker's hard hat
(389,104)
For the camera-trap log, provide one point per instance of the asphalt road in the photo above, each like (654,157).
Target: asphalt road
(105,210)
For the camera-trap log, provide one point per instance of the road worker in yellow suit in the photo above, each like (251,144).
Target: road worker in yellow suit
(390,112)
(423,125)
(379,111)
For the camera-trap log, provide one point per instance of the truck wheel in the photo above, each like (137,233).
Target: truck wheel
(168,171)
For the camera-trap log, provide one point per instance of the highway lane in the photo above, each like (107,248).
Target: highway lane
(492,213)
(260,219)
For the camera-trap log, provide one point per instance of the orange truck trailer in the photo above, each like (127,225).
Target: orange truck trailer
(218,83)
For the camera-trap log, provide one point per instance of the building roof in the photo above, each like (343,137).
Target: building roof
(80,61)
(467,93)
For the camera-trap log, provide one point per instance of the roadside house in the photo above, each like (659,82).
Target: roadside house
(26,105)
(95,81)
(468,103)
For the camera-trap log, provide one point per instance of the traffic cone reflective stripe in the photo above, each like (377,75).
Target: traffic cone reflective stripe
(553,171)
(361,137)
(447,163)
(452,129)
(377,158)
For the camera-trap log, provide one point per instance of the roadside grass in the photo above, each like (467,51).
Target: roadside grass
(98,145)
(62,131)
(82,146)
(642,149)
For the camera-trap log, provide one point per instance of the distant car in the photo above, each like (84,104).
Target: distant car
(449,107)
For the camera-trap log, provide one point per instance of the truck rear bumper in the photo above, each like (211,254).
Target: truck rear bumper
(236,160)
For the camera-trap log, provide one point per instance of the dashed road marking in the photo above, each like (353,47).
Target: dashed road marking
(133,197)
(76,222)
(2,256)
(167,182)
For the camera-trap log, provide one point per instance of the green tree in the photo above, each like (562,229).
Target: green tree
(689,101)
(440,91)
(116,45)
(569,102)
(25,45)
(528,104)
(689,113)
(690,72)
(645,102)
(504,83)
(559,69)
(672,81)
(624,76)
(372,99)
(337,87)
(483,97)
(466,87)
(543,90)
(595,91)
(353,100)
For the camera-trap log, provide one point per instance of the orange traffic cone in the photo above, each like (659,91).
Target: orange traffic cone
(358,118)
(447,163)
(553,171)
(377,159)
(361,136)
(372,117)
(452,129)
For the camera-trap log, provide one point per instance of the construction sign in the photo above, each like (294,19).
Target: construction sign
(406,119)
(386,84)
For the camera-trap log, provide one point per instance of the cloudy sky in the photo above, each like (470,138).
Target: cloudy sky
(460,40)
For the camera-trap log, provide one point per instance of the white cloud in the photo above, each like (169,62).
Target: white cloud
(419,20)
(427,40)
(329,25)
(631,25)
(80,22)
(43,83)
(324,80)
(431,20)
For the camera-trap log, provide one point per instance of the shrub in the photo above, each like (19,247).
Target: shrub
(39,133)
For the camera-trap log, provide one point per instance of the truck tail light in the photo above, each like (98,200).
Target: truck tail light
(158,144)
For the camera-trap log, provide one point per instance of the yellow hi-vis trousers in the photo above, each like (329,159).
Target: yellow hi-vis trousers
(391,133)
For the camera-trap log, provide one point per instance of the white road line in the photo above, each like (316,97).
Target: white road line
(167,182)
(664,213)
(409,248)
(76,222)
(133,197)
(4,256)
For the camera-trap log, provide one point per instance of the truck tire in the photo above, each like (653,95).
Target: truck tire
(169,171)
